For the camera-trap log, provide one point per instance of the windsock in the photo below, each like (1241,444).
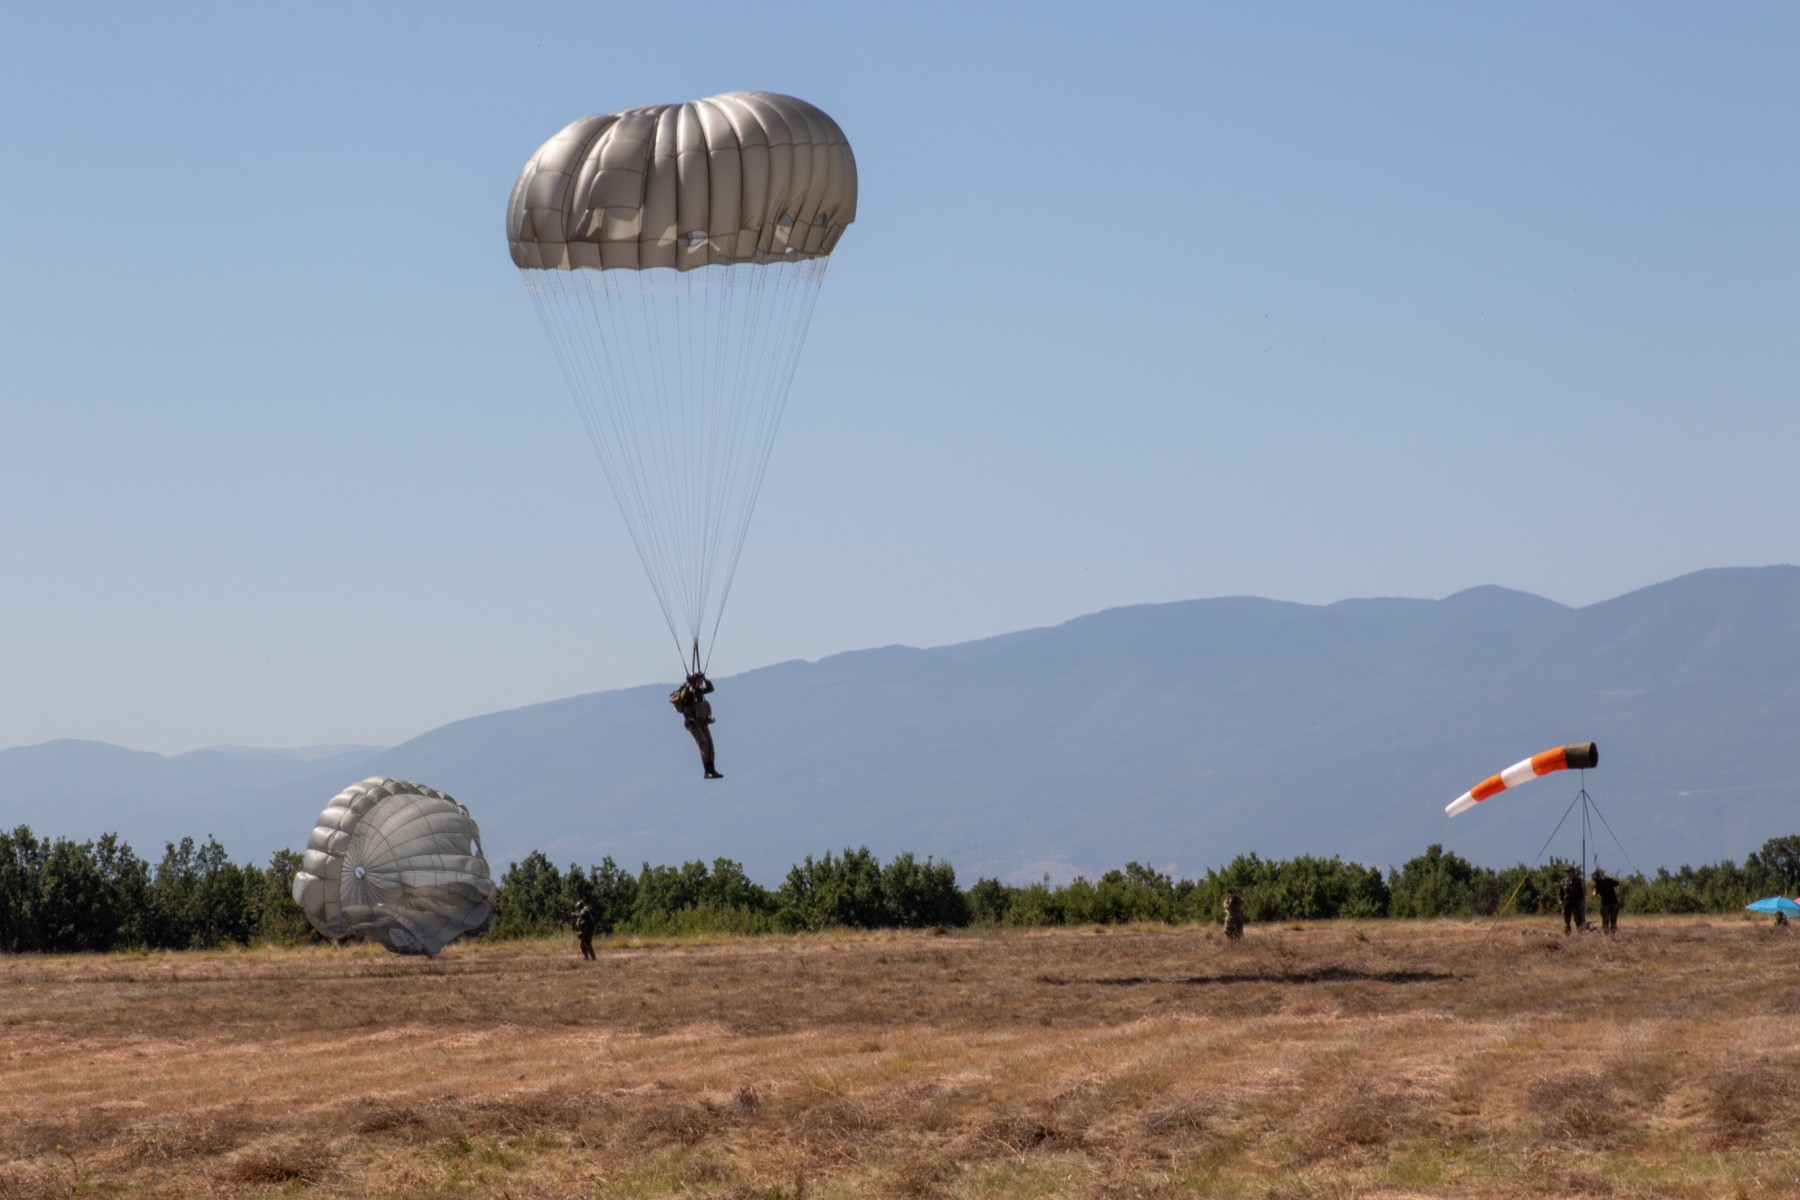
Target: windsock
(1578,757)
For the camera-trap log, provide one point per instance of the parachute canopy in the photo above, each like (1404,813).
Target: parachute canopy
(674,254)
(742,177)
(398,863)
(1578,757)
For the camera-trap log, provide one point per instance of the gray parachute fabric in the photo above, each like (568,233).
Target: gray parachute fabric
(742,177)
(674,255)
(398,863)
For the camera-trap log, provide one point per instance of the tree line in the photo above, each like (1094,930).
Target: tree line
(65,896)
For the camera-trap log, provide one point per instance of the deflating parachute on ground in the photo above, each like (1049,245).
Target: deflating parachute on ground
(398,863)
(674,254)
(1578,757)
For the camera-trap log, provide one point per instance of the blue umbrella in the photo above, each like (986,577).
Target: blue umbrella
(1775,904)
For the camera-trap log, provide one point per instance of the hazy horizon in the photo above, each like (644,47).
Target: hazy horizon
(304,752)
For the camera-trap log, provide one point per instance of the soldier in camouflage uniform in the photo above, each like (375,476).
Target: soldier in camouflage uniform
(1573,894)
(1234,914)
(582,918)
(1606,890)
(696,713)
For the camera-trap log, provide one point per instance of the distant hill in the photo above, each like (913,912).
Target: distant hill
(82,789)
(1176,734)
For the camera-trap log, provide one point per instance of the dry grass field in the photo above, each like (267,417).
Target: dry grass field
(1379,1059)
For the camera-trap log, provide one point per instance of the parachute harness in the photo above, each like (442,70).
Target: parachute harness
(681,379)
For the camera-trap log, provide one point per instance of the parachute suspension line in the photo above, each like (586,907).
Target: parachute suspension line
(649,436)
(719,405)
(706,413)
(667,396)
(692,336)
(768,335)
(625,406)
(760,325)
(764,323)
(681,380)
(743,296)
(598,387)
(751,341)
(719,334)
(586,378)
(807,281)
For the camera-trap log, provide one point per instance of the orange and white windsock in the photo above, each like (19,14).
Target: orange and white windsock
(1578,757)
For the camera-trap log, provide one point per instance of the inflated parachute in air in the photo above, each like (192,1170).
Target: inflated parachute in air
(1577,757)
(674,255)
(398,863)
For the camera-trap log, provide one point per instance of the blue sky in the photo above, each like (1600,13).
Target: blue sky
(1143,303)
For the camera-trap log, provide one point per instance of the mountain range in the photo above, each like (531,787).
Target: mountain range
(1178,735)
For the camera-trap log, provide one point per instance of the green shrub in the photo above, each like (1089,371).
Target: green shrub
(916,895)
(989,901)
(62,896)
(833,891)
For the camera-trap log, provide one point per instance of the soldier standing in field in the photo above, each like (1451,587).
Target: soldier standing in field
(1573,894)
(583,920)
(1234,914)
(1606,889)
